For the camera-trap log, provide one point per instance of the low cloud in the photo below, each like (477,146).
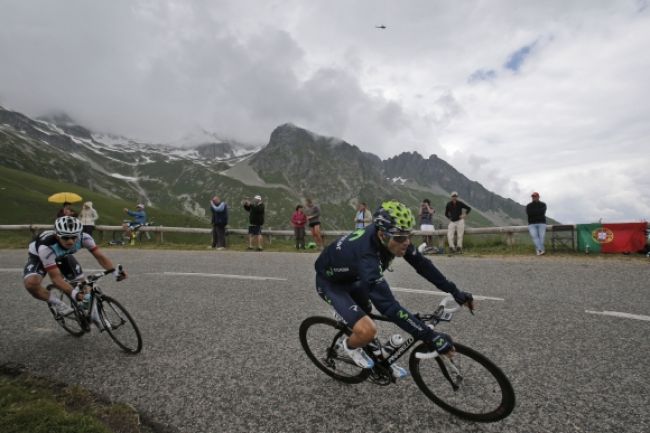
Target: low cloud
(507,95)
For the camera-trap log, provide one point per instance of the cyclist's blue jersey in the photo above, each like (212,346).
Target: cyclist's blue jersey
(360,257)
(48,249)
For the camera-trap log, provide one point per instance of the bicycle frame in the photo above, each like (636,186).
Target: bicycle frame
(442,314)
(95,296)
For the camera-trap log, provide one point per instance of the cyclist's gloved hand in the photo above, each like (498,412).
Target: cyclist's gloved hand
(77,288)
(441,343)
(462,297)
(119,273)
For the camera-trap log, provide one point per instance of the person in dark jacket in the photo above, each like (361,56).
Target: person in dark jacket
(219,210)
(456,211)
(350,278)
(536,211)
(255,211)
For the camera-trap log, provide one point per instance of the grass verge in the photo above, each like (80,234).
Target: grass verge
(30,404)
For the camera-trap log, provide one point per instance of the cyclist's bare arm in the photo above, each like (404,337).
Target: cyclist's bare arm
(105,262)
(57,279)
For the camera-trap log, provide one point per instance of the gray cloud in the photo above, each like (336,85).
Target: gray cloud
(574,101)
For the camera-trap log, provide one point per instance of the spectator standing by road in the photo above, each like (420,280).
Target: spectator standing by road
(363,217)
(255,211)
(536,211)
(426,220)
(298,221)
(313,217)
(66,210)
(456,211)
(219,210)
(88,216)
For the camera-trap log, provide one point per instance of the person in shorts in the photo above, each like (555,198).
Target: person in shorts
(255,211)
(52,254)
(312,211)
(350,279)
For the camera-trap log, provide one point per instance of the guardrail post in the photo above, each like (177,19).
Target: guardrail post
(510,239)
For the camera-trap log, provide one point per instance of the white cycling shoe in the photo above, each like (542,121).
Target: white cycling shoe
(357,355)
(398,372)
(61,309)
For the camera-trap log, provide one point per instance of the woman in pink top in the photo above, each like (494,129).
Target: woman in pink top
(298,221)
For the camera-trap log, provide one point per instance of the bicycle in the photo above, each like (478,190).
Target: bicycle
(132,232)
(467,385)
(113,317)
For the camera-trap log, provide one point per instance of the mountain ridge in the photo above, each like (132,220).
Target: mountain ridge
(296,163)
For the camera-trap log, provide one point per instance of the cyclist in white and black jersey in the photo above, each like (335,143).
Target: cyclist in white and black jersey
(51,254)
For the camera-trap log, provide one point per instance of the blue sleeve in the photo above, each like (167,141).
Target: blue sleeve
(370,271)
(384,300)
(424,267)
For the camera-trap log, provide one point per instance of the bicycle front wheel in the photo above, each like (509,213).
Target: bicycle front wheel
(119,324)
(319,337)
(72,322)
(469,385)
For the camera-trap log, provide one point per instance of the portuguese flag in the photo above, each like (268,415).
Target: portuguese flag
(612,238)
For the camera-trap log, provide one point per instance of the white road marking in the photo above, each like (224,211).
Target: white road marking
(619,314)
(237,277)
(431,292)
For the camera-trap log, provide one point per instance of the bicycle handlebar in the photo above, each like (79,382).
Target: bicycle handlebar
(97,275)
(445,301)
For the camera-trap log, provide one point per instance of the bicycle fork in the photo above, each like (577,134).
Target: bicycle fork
(449,369)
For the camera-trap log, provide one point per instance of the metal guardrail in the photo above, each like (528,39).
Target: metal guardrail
(441,234)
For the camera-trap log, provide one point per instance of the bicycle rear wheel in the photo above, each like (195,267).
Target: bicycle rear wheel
(319,337)
(470,386)
(119,324)
(72,322)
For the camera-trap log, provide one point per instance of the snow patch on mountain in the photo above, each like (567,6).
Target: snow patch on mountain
(398,180)
(121,176)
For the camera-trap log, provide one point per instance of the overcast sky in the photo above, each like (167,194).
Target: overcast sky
(550,96)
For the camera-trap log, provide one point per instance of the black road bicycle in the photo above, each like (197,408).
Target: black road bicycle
(468,385)
(112,316)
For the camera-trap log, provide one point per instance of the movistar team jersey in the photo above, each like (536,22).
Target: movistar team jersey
(359,256)
(48,248)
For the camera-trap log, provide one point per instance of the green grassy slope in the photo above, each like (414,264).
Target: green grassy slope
(24,201)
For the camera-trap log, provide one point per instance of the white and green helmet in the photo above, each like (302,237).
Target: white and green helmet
(393,217)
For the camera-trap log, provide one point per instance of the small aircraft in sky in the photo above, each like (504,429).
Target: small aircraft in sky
(383,27)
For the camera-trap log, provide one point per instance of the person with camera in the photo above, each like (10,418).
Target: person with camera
(255,209)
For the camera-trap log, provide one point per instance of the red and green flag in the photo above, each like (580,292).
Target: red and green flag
(612,238)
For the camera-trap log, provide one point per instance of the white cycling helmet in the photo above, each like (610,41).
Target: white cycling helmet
(68,226)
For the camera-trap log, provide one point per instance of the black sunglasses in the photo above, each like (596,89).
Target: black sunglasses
(400,239)
(69,238)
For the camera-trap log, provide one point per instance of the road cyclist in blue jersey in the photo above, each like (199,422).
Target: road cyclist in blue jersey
(52,254)
(349,277)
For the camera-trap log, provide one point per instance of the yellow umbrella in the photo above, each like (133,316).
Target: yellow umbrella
(64,197)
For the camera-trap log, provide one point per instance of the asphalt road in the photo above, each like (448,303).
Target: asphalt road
(221,352)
